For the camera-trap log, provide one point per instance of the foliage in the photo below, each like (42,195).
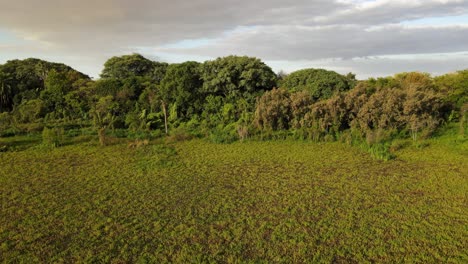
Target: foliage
(105,112)
(319,83)
(228,99)
(53,137)
(273,110)
(133,65)
(235,77)
(30,111)
(25,79)
(181,87)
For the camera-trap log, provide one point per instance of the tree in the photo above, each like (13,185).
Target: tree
(454,87)
(6,91)
(30,110)
(25,79)
(300,106)
(105,112)
(273,110)
(123,67)
(53,96)
(181,87)
(235,77)
(159,71)
(321,84)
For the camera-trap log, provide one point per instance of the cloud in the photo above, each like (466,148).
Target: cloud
(393,11)
(86,33)
(322,42)
(117,25)
(364,68)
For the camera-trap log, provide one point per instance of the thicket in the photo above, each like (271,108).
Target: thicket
(228,99)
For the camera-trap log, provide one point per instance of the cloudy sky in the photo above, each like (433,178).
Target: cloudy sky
(369,38)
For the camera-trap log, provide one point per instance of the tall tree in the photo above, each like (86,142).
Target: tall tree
(6,91)
(321,84)
(180,88)
(135,65)
(235,77)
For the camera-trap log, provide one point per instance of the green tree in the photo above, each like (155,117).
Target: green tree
(57,85)
(321,84)
(126,66)
(235,77)
(180,87)
(26,79)
(454,87)
(6,91)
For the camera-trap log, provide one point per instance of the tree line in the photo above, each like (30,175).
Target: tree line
(227,99)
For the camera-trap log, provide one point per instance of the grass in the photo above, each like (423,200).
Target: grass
(195,201)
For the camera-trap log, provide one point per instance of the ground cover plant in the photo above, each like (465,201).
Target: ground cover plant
(196,201)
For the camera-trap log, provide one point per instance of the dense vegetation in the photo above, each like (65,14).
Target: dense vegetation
(228,99)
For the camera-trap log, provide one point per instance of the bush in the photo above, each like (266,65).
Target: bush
(224,134)
(53,137)
(329,138)
(380,151)
(178,134)
(243,132)
(346,137)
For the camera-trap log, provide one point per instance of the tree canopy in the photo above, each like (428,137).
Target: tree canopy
(126,66)
(321,84)
(25,79)
(228,98)
(237,77)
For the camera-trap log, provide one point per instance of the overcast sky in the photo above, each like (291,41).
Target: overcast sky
(369,38)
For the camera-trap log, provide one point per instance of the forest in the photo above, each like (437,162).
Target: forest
(227,99)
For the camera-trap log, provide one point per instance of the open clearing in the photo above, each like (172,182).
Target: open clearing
(195,201)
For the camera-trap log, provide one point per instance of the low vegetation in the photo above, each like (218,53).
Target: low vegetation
(196,201)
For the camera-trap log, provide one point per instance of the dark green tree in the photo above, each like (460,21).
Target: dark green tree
(321,84)
(25,79)
(180,88)
(135,65)
(235,77)
(6,91)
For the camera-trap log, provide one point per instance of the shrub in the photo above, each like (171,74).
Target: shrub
(53,137)
(224,134)
(273,110)
(380,151)
(178,134)
(242,132)
(329,138)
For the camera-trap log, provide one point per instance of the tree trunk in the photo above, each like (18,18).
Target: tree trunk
(165,115)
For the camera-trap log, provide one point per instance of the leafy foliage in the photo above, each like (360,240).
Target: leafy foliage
(321,84)
(235,77)
(134,65)
(273,110)
(53,137)
(229,98)
(25,79)
(181,87)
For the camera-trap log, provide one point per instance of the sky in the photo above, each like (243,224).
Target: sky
(370,38)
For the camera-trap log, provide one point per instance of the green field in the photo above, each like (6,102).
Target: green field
(195,201)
